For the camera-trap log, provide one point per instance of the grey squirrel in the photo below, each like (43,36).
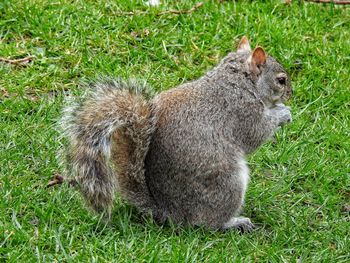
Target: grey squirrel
(179,155)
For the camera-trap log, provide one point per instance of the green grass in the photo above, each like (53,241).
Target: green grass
(300,188)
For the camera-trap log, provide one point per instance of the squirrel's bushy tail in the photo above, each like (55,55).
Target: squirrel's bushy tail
(108,134)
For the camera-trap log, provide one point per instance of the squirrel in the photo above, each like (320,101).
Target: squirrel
(180,155)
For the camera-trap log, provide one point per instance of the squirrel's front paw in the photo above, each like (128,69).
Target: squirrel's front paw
(283,114)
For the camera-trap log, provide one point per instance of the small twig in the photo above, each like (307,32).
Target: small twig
(59,179)
(4,92)
(17,61)
(129,13)
(305,202)
(177,12)
(336,2)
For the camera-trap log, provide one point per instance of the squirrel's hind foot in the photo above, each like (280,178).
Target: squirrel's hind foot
(242,224)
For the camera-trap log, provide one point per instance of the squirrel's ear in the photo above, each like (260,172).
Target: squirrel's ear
(243,45)
(257,59)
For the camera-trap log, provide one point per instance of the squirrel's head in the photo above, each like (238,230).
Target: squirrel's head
(272,79)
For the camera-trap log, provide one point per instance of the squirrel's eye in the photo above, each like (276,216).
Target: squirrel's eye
(281,80)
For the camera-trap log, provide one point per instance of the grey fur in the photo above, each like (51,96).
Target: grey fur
(189,158)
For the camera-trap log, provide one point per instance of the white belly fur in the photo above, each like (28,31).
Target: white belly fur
(243,173)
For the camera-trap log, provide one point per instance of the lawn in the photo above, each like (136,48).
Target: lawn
(299,194)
